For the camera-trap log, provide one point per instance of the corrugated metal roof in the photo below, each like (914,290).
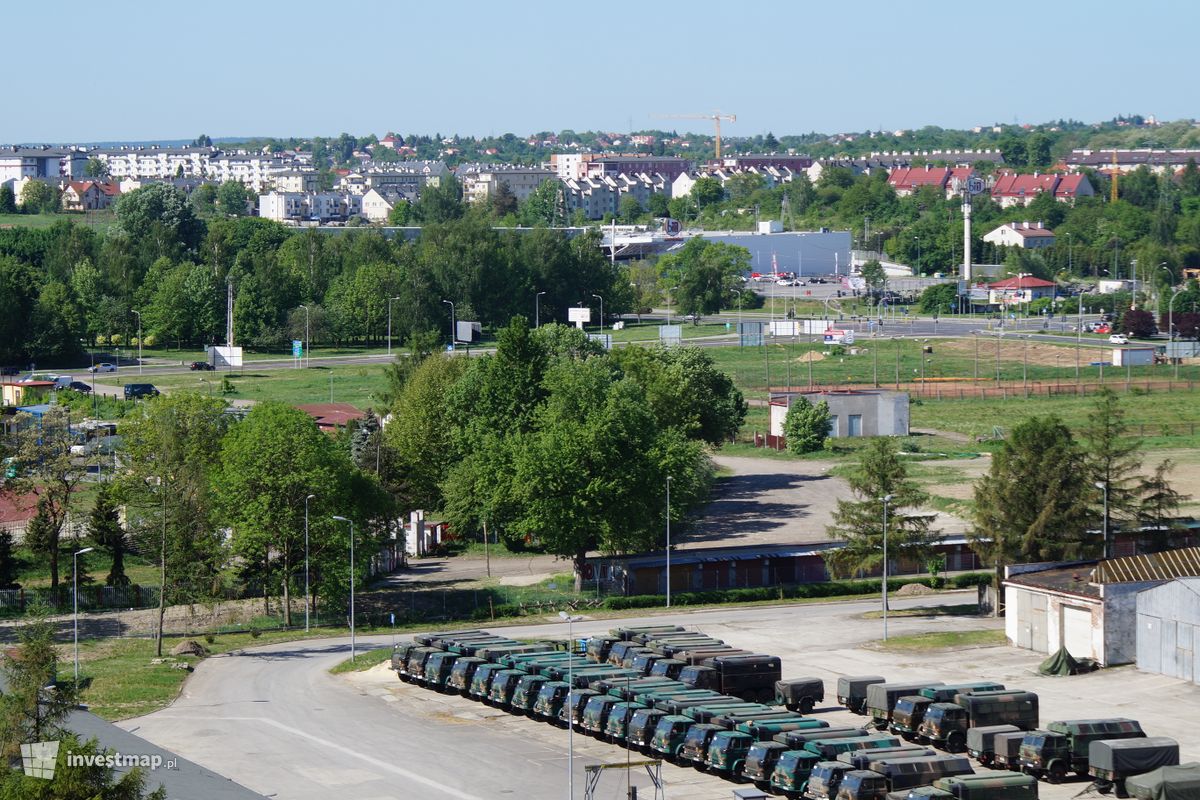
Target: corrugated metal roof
(1163,566)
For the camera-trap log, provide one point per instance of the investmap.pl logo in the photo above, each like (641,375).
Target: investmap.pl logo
(40,758)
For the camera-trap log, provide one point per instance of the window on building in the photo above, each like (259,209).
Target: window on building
(854,425)
(833,425)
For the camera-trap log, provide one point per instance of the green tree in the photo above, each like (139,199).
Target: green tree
(418,347)
(30,710)
(706,274)
(657,206)
(39,197)
(1112,456)
(8,562)
(401,214)
(204,199)
(879,473)
(232,198)
(1033,504)
(8,200)
(707,190)
(96,168)
(874,276)
(439,203)
(159,213)
(504,202)
(806,425)
(85,779)
(630,210)
(107,534)
(541,207)
(270,462)
(941,298)
(1158,508)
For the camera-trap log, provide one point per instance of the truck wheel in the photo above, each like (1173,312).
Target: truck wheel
(956,742)
(1104,787)
(1057,772)
(1120,786)
(792,707)
(985,760)
(806,705)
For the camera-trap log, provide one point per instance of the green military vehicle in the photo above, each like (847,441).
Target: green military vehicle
(994,786)
(882,697)
(863,759)
(797,739)
(799,694)
(598,646)
(414,667)
(684,705)
(525,696)
(899,774)
(631,655)
(828,749)
(520,660)
(1111,762)
(643,633)
(910,709)
(1006,750)
(824,780)
(400,656)
(730,721)
(669,734)
(595,713)
(1166,783)
(981,742)
(629,690)
(639,733)
(767,729)
(550,700)
(437,669)
(462,672)
(727,752)
(481,681)
(429,638)
(616,653)
(946,724)
(750,677)
(667,668)
(618,720)
(659,699)
(1063,746)
(495,650)
(644,662)
(504,684)
(852,691)
(694,749)
(707,713)
(571,712)
(760,762)
(792,772)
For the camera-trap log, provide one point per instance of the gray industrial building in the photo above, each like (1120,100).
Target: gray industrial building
(1168,629)
(854,412)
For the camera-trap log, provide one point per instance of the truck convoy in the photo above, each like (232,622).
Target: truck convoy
(946,724)
(1110,762)
(1063,746)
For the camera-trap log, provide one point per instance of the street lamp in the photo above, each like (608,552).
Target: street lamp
(1103,485)
(537,309)
(307,339)
(352,642)
(570,620)
(139,316)
(601,299)
(452,321)
(668,541)
(1171,331)
(389,347)
(887,498)
(75,598)
(918,241)
(307,596)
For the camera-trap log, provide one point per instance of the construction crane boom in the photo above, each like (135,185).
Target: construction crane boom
(715,117)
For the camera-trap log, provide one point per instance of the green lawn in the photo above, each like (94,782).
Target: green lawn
(357,384)
(34,572)
(363,661)
(950,640)
(100,220)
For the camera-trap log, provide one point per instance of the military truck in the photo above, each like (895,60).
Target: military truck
(598,646)
(414,667)
(797,739)
(900,773)
(709,713)
(437,669)
(571,712)
(481,681)
(595,713)
(504,683)
(882,697)
(1111,762)
(525,696)
(669,734)
(1063,746)
(993,786)
(760,762)
(640,731)
(824,780)
(852,691)
(428,638)
(642,633)
(628,690)
(751,677)
(550,700)
(727,752)
(618,720)
(799,694)
(631,655)
(515,660)
(1166,783)
(685,706)
(980,742)
(864,759)
(667,668)
(496,650)
(696,740)
(617,651)
(828,749)
(767,729)
(659,699)
(730,721)
(946,724)
(910,709)
(461,673)
(792,772)
(1006,750)
(643,662)
(400,656)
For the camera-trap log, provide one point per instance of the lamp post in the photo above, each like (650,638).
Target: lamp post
(918,241)
(570,620)
(601,299)
(307,339)
(389,347)
(75,599)
(537,309)
(452,321)
(1171,332)
(352,642)
(1070,253)
(139,316)
(668,541)
(887,498)
(1103,485)
(307,596)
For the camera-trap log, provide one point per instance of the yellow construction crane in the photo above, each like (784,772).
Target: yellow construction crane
(716,118)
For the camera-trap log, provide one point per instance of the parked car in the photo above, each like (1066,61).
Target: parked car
(203,366)
(80,386)
(1118,338)
(9,371)
(136,390)
(103,366)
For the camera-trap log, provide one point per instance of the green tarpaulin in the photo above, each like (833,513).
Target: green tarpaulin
(1063,663)
(1166,783)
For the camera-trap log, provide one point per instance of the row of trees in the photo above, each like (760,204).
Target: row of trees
(1043,499)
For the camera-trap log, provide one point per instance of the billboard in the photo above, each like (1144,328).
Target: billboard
(839,336)
(467,332)
(225,356)
(579,314)
(786,327)
(670,334)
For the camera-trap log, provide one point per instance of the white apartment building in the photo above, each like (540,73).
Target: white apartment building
(300,206)
(295,180)
(43,163)
(482,181)
(155,163)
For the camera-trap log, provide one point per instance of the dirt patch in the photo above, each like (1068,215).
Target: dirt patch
(911,589)
(811,355)
(1013,349)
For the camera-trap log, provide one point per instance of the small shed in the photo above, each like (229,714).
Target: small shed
(1168,629)
(1132,356)
(856,412)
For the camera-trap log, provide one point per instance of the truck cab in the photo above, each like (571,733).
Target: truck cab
(595,713)
(618,720)
(695,743)
(504,684)
(643,662)
(862,784)
(908,714)
(824,780)
(481,681)
(437,669)
(667,668)
(642,725)
(1063,747)
(550,700)
(760,762)
(792,771)
(572,710)
(727,752)
(462,672)
(526,693)
(669,734)
(414,668)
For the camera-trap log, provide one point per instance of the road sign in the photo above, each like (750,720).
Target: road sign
(297,348)
(975,185)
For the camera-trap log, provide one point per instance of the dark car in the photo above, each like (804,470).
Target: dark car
(203,366)
(80,386)
(136,390)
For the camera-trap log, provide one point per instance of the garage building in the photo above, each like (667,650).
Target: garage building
(1168,629)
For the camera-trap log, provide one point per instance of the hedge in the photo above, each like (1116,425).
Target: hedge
(795,591)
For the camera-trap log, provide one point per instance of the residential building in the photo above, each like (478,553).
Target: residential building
(1021,289)
(332,416)
(309,206)
(45,163)
(155,162)
(789,162)
(1128,160)
(89,195)
(669,167)
(297,180)
(594,197)
(377,204)
(1027,235)
(907,180)
(1011,189)
(482,181)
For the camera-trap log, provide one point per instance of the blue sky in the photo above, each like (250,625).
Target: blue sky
(149,69)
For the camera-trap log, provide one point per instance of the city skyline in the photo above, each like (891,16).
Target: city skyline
(780,69)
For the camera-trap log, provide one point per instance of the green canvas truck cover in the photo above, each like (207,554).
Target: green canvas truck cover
(979,740)
(1011,786)
(1133,756)
(884,695)
(856,685)
(1063,663)
(1167,783)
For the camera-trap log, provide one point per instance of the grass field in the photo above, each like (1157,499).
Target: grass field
(950,640)
(358,384)
(363,661)
(98,220)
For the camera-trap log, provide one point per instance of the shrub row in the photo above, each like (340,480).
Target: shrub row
(795,591)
